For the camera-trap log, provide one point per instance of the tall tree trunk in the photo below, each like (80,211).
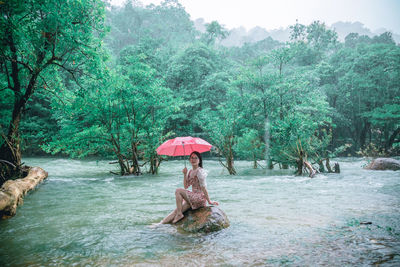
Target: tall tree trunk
(123,166)
(300,164)
(154,164)
(267,142)
(135,160)
(336,167)
(390,141)
(321,166)
(270,164)
(230,165)
(10,149)
(328,165)
(363,134)
(124,169)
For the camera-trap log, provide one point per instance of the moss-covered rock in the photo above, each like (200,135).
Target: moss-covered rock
(384,164)
(205,220)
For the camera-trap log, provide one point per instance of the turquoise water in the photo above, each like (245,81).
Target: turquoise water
(82,215)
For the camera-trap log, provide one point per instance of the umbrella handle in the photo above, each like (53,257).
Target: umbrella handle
(184,158)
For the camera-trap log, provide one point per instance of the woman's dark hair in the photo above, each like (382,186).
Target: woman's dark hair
(199,156)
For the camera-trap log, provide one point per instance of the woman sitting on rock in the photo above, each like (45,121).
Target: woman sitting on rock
(196,198)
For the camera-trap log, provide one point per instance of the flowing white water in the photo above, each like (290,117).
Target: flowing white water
(81,215)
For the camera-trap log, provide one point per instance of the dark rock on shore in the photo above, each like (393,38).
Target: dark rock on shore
(205,220)
(382,164)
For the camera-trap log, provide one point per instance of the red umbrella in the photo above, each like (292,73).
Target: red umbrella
(182,146)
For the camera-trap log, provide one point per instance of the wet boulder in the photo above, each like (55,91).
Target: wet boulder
(382,164)
(205,220)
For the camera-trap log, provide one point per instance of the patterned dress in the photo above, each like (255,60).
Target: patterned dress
(197,179)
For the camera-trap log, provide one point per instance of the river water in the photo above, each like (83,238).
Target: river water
(83,215)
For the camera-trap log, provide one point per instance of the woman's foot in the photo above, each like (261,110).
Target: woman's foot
(155,225)
(177,218)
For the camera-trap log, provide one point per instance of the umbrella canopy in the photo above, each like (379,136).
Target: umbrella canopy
(182,146)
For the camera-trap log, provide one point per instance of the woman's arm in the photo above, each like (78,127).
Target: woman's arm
(185,178)
(204,189)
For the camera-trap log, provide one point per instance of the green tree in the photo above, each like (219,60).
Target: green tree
(250,51)
(384,38)
(214,31)
(301,129)
(197,76)
(319,37)
(37,39)
(353,39)
(222,126)
(385,120)
(167,25)
(312,43)
(297,32)
(123,114)
(359,82)
(250,146)
(37,125)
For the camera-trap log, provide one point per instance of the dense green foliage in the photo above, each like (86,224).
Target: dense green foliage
(157,77)
(43,44)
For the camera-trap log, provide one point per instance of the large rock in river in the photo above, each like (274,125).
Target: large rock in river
(384,164)
(205,220)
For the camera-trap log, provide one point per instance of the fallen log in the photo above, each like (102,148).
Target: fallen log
(13,191)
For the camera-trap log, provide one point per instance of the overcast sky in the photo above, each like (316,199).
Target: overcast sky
(275,14)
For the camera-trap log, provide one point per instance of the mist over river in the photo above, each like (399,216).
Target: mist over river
(83,215)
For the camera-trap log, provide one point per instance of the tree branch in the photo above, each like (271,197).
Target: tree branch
(222,163)
(14,65)
(69,71)
(5,161)
(52,92)
(20,62)
(8,77)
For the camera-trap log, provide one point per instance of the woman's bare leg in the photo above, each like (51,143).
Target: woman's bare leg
(171,216)
(180,195)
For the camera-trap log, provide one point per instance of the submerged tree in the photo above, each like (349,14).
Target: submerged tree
(222,126)
(122,114)
(249,145)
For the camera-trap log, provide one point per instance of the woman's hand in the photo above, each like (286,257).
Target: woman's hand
(184,171)
(213,203)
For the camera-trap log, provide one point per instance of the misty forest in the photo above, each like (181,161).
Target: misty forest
(87,80)
(83,80)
